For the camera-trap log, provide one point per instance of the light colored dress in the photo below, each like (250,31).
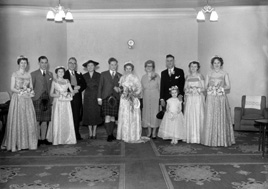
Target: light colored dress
(129,117)
(61,127)
(21,132)
(172,125)
(194,108)
(150,96)
(218,127)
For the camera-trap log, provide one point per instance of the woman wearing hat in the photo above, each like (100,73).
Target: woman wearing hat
(91,109)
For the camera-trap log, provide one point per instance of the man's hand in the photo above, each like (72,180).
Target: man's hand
(117,89)
(77,87)
(162,102)
(100,102)
(180,97)
(75,91)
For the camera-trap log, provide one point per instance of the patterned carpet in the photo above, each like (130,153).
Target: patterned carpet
(157,164)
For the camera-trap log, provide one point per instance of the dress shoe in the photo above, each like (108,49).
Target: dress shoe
(109,138)
(40,142)
(154,137)
(46,142)
(79,138)
(113,137)
(94,137)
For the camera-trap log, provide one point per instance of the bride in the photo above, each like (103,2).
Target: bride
(129,117)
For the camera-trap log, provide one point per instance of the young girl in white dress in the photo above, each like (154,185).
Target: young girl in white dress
(61,127)
(172,126)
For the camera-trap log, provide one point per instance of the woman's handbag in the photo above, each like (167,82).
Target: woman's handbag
(161,112)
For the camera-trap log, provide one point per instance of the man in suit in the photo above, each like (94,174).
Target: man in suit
(42,101)
(170,77)
(78,84)
(109,96)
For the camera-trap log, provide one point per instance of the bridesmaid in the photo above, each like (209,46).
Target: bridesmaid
(61,128)
(194,103)
(21,130)
(150,92)
(218,127)
(91,109)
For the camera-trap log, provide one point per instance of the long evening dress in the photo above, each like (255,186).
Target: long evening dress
(129,117)
(194,108)
(172,125)
(61,127)
(218,127)
(21,132)
(150,95)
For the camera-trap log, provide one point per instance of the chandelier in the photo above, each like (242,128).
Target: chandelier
(59,13)
(207,9)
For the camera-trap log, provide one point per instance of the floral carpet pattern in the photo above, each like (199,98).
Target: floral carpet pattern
(236,176)
(54,177)
(246,144)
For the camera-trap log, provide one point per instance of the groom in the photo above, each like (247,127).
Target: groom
(108,96)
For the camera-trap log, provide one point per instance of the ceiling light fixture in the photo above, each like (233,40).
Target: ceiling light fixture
(207,9)
(59,13)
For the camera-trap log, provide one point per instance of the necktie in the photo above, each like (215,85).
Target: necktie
(169,72)
(44,73)
(113,74)
(73,73)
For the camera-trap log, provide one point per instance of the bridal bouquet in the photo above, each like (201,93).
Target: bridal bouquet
(215,90)
(193,90)
(26,92)
(130,94)
(66,96)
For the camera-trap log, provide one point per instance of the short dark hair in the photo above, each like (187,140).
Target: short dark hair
(170,56)
(149,62)
(72,58)
(195,62)
(42,57)
(59,68)
(20,58)
(217,58)
(112,59)
(129,64)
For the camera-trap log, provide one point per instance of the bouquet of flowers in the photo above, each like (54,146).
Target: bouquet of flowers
(192,90)
(66,96)
(130,94)
(215,90)
(26,92)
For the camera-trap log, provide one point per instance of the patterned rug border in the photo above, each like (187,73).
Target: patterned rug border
(122,175)
(122,154)
(179,155)
(169,182)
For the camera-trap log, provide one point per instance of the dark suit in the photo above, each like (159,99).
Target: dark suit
(76,103)
(168,81)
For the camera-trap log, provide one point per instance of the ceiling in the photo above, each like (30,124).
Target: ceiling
(130,4)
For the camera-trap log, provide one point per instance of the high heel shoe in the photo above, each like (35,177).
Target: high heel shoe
(94,137)
(149,136)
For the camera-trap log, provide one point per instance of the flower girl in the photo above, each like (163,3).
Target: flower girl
(61,128)
(172,126)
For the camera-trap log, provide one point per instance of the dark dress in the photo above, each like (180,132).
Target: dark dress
(91,109)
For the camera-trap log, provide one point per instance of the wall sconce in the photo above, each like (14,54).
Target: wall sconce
(207,9)
(59,13)
(131,43)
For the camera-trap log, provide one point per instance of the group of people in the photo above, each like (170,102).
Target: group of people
(47,110)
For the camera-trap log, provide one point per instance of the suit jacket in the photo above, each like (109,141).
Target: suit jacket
(107,84)
(37,78)
(80,82)
(168,81)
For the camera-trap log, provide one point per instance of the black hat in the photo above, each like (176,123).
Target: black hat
(90,61)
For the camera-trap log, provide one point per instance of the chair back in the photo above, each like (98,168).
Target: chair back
(4,97)
(254,104)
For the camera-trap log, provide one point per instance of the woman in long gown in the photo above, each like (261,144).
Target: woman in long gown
(218,127)
(129,117)
(21,130)
(150,94)
(61,127)
(194,103)
(91,109)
